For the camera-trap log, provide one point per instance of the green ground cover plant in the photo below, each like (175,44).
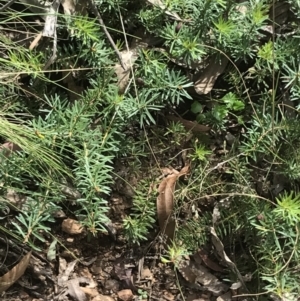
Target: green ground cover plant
(244,173)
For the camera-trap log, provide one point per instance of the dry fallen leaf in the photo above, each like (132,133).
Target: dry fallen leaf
(103,298)
(168,296)
(225,297)
(14,274)
(78,287)
(65,271)
(71,226)
(68,6)
(236,285)
(165,202)
(146,274)
(209,75)
(208,262)
(221,252)
(125,295)
(75,291)
(15,199)
(9,147)
(70,192)
(124,273)
(128,58)
(199,275)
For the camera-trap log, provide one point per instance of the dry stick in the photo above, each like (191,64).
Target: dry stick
(53,57)
(8,4)
(50,30)
(96,12)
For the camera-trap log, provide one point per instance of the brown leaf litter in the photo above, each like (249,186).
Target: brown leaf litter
(71,226)
(14,274)
(165,201)
(206,79)
(198,275)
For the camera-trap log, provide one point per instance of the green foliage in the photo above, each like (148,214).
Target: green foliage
(200,153)
(230,105)
(288,208)
(142,218)
(36,215)
(192,234)
(176,133)
(71,139)
(174,254)
(278,229)
(142,294)
(163,84)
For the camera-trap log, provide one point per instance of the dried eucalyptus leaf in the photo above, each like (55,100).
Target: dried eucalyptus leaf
(165,202)
(199,275)
(207,78)
(14,274)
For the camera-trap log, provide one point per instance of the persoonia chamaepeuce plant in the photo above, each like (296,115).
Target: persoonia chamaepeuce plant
(142,218)
(61,131)
(69,123)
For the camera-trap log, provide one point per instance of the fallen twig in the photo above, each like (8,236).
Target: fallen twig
(96,12)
